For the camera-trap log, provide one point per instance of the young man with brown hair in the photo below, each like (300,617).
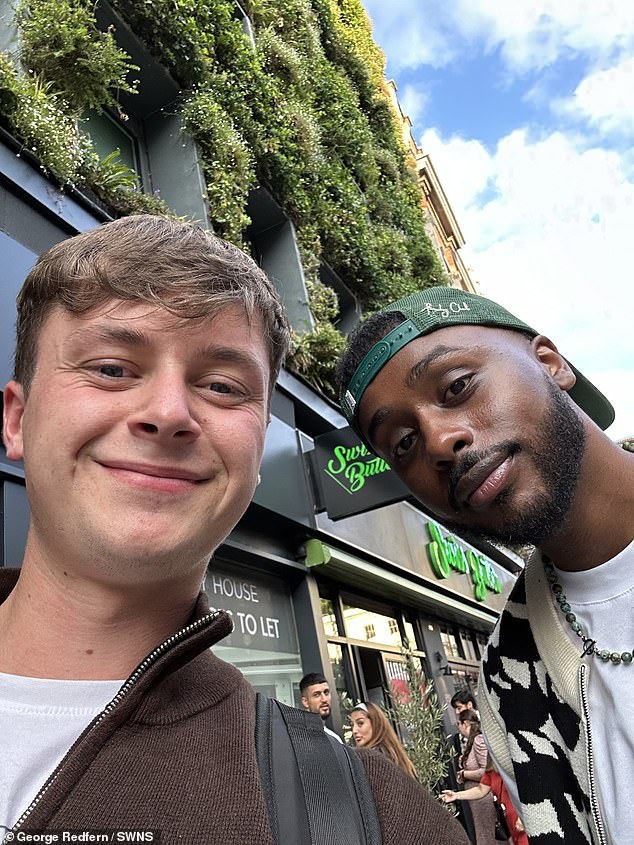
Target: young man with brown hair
(497,434)
(147,353)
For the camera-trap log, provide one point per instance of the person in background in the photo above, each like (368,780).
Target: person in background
(471,768)
(492,783)
(464,699)
(371,729)
(315,692)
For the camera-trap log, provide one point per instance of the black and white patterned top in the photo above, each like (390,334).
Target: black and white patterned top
(533,705)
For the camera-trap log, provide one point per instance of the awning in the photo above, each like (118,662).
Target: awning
(363,574)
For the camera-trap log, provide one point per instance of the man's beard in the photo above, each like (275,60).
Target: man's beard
(323,715)
(557,454)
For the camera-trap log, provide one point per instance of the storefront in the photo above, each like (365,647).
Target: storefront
(313,584)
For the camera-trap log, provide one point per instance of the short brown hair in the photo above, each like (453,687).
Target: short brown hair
(180,267)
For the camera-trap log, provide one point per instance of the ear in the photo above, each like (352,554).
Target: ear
(553,362)
(305,702)
(13,413)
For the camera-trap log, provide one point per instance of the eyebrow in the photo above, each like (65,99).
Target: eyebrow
(378,418)
(228,354)
(112,334)
(382,414)
(138,339)
(420,366)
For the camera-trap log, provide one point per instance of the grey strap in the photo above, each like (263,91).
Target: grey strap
(316,789)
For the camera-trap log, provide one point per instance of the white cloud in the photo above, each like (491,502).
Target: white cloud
(413,100)
(605,99)
(550,238)
(529,33)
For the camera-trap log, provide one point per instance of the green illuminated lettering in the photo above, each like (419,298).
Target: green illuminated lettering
(436,550)
(445,554)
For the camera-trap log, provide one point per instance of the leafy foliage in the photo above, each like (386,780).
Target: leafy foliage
(418,712)
(227,163)
(62,44)
(40,119)
(317,352)
(305,113)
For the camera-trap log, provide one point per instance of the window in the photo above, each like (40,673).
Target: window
(274,247)
(328,618)
(264,644)
(107,134)
(468,647)
(358,621)
(151,141)
(245,22)
(450,643)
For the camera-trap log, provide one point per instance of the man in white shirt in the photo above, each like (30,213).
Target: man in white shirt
(496,433)
(316,697)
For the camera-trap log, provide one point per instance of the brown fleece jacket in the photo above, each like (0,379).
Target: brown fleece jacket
(174,751)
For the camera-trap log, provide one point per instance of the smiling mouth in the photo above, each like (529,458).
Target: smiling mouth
(154,478)
(153,471)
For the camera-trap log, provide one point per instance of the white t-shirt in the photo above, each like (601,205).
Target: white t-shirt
(332,733)
(602,599)
(39,721)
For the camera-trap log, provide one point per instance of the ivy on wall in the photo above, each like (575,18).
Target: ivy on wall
(304,113)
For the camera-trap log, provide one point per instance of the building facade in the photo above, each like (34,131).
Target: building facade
(311,585)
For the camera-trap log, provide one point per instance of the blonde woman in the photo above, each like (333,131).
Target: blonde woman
(371,729)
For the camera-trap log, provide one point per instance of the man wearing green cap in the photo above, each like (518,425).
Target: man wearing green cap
(501,437)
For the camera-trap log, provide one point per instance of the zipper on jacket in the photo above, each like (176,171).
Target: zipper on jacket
(593,791)
(145,664)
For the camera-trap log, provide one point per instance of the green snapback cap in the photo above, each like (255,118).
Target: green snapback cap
(437,308)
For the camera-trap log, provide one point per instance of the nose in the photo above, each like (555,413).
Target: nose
(164,410)
(445,436)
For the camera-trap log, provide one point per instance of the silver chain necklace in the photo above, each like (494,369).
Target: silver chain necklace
(589,645)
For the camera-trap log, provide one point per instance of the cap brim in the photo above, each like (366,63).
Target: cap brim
(591,400)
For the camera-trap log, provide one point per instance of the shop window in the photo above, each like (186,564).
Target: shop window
(468,648)
(329,618)
(359,621)
(450,643)
(410,634)
(481,644)
(264,643)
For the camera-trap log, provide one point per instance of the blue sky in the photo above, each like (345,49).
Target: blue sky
(527,111)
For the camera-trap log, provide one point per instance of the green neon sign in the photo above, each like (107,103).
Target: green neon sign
(353,465)
(446,555)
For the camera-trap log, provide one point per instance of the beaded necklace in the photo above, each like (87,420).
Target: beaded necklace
(589,645)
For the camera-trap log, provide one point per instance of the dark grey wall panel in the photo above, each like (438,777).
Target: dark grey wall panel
(16,261)
(15,522)
(283,488)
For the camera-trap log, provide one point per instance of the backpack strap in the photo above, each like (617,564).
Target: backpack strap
(316,789)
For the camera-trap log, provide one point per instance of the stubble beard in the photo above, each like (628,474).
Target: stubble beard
(557,455)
